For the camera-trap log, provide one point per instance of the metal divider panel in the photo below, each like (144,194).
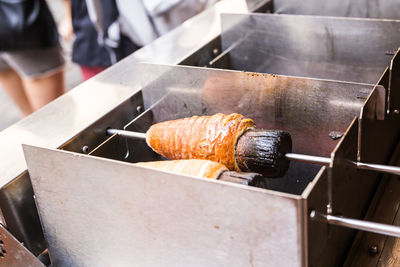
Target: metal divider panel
(383,209)
(346,49)
(384,81)
(378,144)
(328,245)
(350,193)
(121,148)
(13,253)
(100,212)
(388,9)
(394,84)
(316,198)
(309,109)
(378,132)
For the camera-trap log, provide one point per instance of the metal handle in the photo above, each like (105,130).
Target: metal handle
(373,227)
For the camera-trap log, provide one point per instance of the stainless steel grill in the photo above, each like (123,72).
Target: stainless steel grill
(331,82)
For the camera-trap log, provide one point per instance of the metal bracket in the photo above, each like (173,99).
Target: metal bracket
(13,253)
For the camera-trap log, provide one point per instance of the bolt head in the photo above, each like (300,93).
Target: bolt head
(373,249)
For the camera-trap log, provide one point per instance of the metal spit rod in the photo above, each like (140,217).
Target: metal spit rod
(290,156)
(378,228)
(128,134)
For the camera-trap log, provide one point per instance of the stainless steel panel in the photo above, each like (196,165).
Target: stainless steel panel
(94,135)
(98,212)
(78,109)
(378,142)
(318,233)
(370,249)
(394,84)
(387,9)
(377,138)
(350,195)
(20,214)
(356,50)
(309,109)
(340,186)
(13,253)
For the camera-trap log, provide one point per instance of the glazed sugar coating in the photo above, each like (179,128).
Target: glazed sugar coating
(200,137)
(194,167)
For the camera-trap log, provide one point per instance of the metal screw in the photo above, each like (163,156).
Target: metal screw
(329,209)
(215,51)
(373,250)
(139,109)
(85,149)
(390,53)
(335,135)
(312,214)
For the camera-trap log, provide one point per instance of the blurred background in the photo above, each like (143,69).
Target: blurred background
(8,110)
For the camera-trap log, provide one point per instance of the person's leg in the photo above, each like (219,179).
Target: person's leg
(41,71)
(12,84)
(41,91)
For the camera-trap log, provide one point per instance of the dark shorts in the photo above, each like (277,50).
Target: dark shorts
(33,63)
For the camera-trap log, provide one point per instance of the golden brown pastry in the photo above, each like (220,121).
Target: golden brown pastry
(206,169)
(194,167)
(207,137)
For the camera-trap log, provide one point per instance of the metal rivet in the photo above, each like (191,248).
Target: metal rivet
(329,209)
(139,109)
(373,249)
(85,149)
(335,135)
(312,214)
(215,51)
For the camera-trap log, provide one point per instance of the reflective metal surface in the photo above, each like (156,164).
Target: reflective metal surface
(384,209)
(307,108)
(394,85)
(13,253)
(387,9)
(99,212)
(78,122)
(75,111)
(319,235)
(343,49)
